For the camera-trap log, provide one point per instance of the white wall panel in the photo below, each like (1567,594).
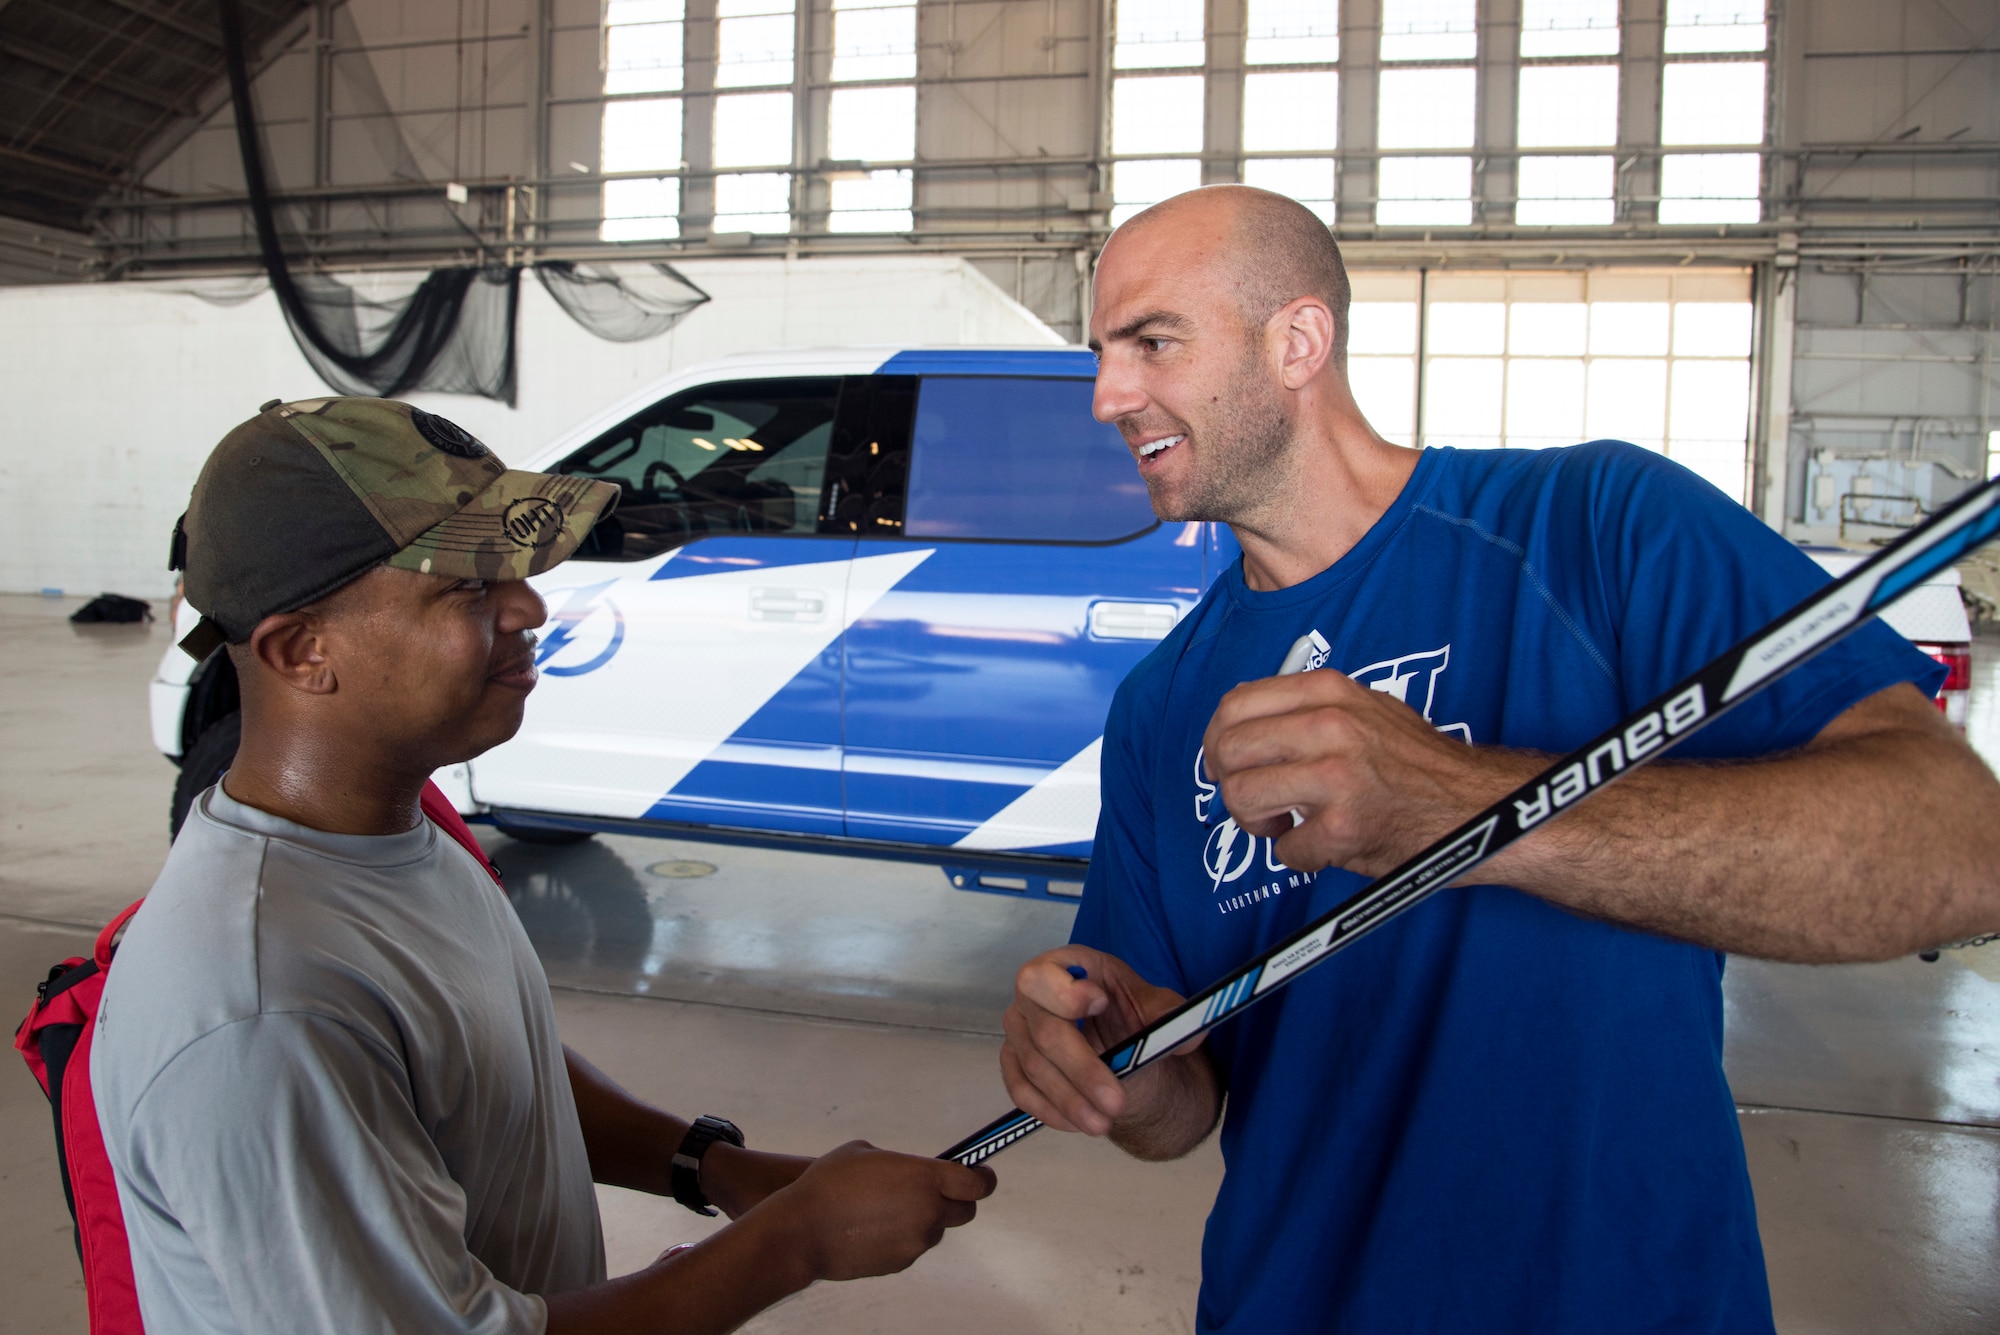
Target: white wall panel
(120,390)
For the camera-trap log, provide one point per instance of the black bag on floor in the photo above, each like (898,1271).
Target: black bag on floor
(113,607)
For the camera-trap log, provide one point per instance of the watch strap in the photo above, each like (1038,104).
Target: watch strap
(685,1177)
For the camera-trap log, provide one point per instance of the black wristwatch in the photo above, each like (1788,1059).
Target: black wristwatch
(704,1132)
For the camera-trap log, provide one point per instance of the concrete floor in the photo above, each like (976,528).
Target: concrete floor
(816,999)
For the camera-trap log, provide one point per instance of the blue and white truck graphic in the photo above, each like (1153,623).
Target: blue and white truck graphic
(850,600)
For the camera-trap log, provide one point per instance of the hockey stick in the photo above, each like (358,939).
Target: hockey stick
(1683,709)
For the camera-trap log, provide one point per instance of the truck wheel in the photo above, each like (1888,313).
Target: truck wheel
(534,834)
(204,763)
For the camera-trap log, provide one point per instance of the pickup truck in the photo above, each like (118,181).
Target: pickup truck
(860,601)
(854,601)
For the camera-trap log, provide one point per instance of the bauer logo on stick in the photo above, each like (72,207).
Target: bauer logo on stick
(1643,736)
(1968,522)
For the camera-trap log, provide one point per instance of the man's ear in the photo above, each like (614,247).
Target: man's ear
(291,647)
(1303,330)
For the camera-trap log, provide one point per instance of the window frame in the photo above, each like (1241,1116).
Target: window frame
(638,422)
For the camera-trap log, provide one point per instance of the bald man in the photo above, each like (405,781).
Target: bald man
(1504,1111)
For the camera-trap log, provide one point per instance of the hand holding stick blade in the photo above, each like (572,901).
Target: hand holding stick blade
(1813,625)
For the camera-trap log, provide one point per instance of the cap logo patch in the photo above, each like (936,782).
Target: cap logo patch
(447,435)
(533,521)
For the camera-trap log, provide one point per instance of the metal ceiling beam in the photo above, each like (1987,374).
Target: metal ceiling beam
(56,63)
(207,36)
(216,93)
(119,30)
(47,163)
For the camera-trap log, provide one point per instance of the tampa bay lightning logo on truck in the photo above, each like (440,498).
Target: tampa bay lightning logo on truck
(586,631)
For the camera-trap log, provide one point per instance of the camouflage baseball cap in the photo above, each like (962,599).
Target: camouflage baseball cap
(306,496)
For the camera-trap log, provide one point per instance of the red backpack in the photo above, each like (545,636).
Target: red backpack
(55,1041)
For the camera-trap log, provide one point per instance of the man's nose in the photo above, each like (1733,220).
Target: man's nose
(521,608)
(1117,393)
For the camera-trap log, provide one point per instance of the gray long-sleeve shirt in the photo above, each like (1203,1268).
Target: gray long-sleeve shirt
(330,1083)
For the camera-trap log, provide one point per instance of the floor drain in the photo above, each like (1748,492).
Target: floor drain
(682,871)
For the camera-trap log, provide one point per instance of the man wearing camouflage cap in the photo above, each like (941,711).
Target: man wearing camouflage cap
(326,1063)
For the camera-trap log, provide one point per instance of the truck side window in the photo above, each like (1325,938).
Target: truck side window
(870,459)
(743,457)
(1019,459)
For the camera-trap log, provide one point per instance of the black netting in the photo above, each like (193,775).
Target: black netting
(622,303)
(454,332)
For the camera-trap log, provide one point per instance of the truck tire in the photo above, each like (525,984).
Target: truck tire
(204,763)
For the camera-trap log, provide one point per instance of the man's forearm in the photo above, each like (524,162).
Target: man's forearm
(712,1287)
(1173,1106)
(631,1144)
(1878,839)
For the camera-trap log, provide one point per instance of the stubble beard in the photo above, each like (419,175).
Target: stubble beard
(1248,472)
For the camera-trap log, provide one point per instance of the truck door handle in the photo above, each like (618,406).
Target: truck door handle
(1133,621)
(787,605)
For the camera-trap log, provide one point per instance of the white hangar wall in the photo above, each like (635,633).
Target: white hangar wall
(1869,228)
(118,390)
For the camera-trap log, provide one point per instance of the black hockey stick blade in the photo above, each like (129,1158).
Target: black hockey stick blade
(1813,625)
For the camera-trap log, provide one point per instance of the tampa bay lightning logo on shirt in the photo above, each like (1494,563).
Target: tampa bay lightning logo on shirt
(1413,679)
(587,631)
(1230,854)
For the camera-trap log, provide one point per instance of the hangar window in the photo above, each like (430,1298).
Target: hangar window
(1159,34)
(642,46)
(1427,108)
(1712,102)
(1530,360)
(1658,359)
(1710,99)
(747,457)
(1292,32)
(755,41)
(753,130)
(1423,192)
(1308,180)
(872,40)
(1566,106)
(1569,28)
(1290,112)
(872,125)
(1139,185)
(1714,25)
(1429,30)
(1019,459)
(876,201)
(642,54)
(1156,118)
(1567,190)
(1382,351)
(1431,105)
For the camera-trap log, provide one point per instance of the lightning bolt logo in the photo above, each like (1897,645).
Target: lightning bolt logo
(565,621)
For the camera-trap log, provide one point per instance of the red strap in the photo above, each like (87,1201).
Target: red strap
(111,1294)
(107,940)
(445,816)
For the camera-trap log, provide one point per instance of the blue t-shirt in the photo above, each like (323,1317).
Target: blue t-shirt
(1490,1115)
